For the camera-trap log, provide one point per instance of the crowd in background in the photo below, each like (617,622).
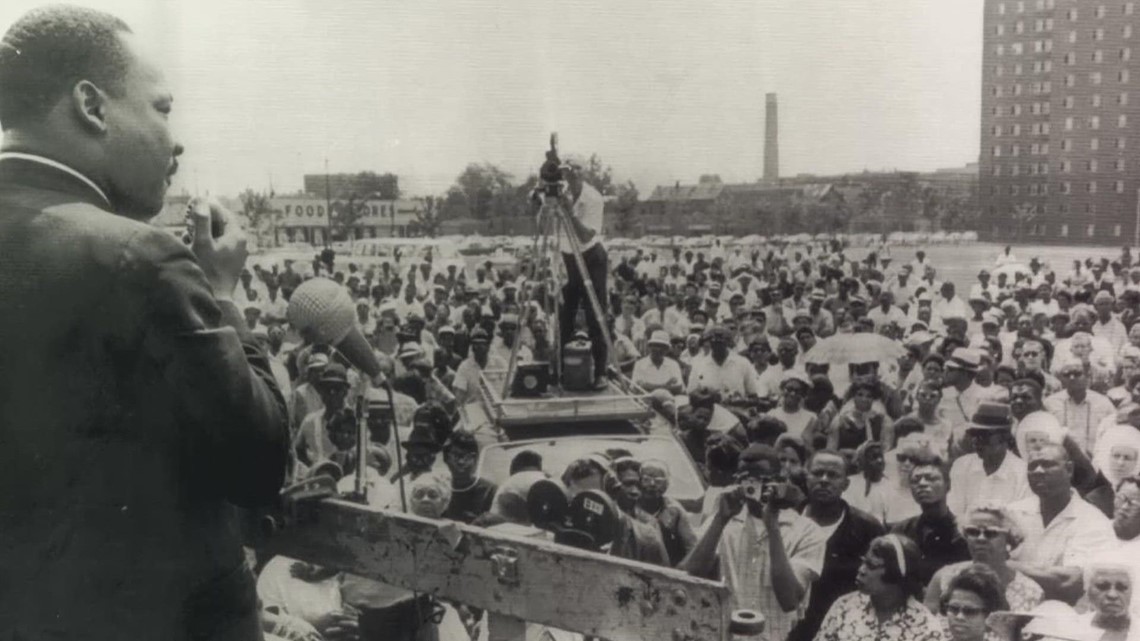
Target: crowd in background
(927,457)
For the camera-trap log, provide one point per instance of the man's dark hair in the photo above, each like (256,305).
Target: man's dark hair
(930,459)
(525,460)
(981,581)
(51,48)
(827,452)
(461,441)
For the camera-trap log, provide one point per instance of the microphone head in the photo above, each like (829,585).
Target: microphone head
(322,312)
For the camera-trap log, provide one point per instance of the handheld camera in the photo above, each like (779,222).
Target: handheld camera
(757,490)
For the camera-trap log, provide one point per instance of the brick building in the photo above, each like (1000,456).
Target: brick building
(1060,116)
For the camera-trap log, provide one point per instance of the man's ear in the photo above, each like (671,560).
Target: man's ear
(89,104)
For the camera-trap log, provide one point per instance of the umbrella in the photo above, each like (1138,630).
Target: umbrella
(842,349)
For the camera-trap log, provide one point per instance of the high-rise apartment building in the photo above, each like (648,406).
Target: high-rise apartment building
(1060,116)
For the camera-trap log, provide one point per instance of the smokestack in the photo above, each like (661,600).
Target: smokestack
(771,139)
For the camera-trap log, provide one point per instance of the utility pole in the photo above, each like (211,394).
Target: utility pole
(328,205)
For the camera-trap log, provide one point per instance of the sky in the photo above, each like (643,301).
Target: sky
(662,90)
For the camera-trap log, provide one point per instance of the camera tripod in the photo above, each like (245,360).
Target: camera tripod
(551,218)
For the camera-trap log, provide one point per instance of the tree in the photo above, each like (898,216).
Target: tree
(428,220)
(345,214)
(256,209)
(625,206)
(370,185)
(599,174)
(1024,213)
(709,179)
(482,187)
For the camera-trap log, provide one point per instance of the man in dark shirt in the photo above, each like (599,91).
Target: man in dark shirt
(935,530)
(849,533)
(471,496)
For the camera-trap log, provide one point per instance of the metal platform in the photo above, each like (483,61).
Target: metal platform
(622,400)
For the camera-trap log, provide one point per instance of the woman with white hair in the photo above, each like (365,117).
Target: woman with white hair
(991,535)
(1118,447)
(1108,588)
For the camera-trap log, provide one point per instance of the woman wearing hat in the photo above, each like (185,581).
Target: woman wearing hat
(991,535)
(885,607)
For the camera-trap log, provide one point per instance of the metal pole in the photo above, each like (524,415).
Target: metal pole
(1136,227)
(328,206)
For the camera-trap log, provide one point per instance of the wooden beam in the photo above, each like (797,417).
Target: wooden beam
(527,579)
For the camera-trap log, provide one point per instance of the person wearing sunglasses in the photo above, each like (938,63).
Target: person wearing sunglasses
(991,472)
(971,596)
(885,605)
(1031,358)
(991,535)
(1126,517)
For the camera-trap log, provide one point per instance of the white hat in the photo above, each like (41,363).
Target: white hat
(659,337)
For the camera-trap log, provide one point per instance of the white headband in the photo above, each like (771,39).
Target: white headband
(899,556)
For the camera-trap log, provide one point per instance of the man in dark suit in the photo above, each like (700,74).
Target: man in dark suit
(849,531)
(136,410)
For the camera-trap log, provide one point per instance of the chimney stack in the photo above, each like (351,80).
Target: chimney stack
(771,140)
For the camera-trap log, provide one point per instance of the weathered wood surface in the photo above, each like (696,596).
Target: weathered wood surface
(550,584)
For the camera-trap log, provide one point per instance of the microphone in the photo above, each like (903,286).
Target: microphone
(323,312)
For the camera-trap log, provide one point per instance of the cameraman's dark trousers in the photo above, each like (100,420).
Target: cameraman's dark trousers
(574,295)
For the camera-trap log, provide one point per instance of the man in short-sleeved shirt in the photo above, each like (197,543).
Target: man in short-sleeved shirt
(1054,552)
(736,543)
(722,370)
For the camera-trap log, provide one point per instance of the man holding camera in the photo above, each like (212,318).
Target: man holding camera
(584,209)
(767,553)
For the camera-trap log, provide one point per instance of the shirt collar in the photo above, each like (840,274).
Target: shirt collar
(55,164)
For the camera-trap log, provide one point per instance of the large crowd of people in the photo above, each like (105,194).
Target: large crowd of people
(922,459)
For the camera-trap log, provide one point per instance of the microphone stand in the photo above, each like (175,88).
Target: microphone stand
(396,435)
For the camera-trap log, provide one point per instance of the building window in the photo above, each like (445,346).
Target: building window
(1098,34)
(999,50)
(1117,229)
(1017,68)
(1019,27)
(1016,129)
(1014,190)
(1091,166)
(1001,8)
(1094,144)
(1098,56)
(1092,187)
(1126,53)
(1069,81)
(1100,11)
(1066,166)
(1066,188)
(1121,143)
(1129,7)
(1017,89)
(1045,150)
(1122,121)
(1015,170)
(1073,14)
(1123,76)
(1064,230)
(1096,77)
(1068,123)
(997,170)
(1091,230)
(1017,49)
(1127,31)
(1068,102)
(1070,58)
(1119,164)
(1000,29)
(1015,150)
(1122,99)
(1066,145)
(1095,100)
(1048,66)
(1120,186)
(1094,122)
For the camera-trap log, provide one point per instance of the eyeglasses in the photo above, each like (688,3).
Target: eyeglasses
(904,458)
(1072,374)
(987,533)
(1024,354)
(967,611)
